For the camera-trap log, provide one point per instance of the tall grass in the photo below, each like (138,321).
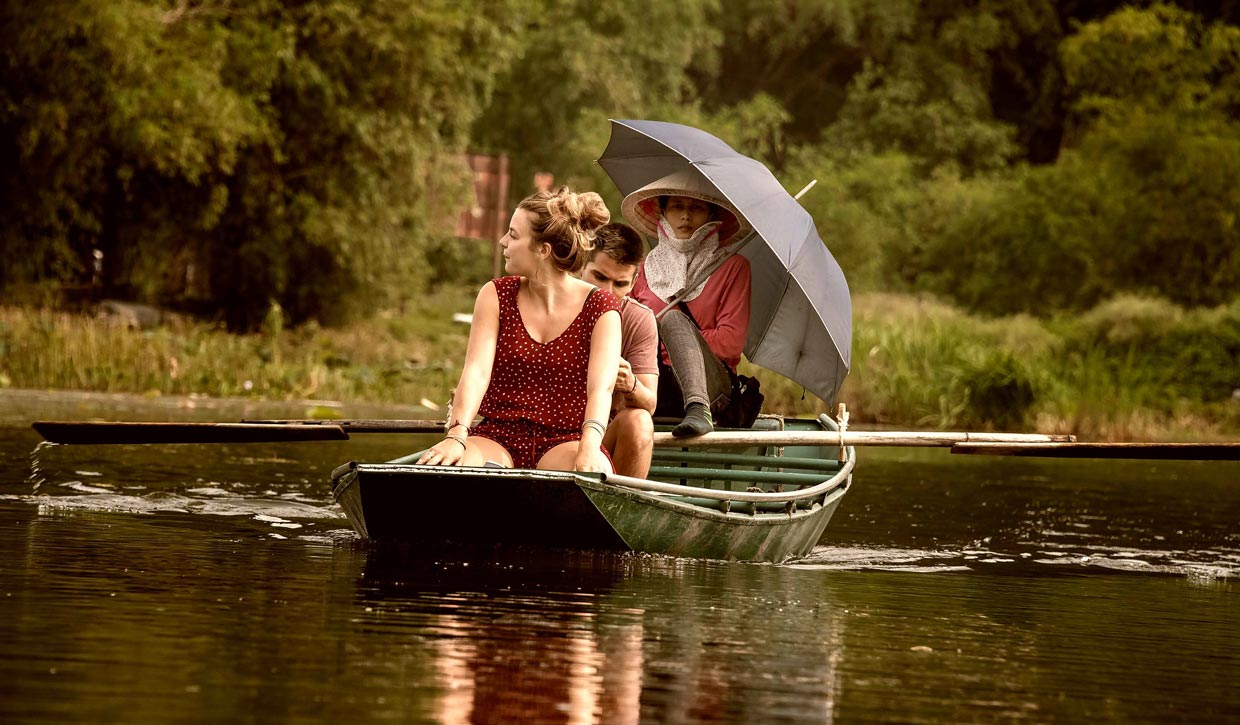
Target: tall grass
(390,358)
(1133,368)
(920,362)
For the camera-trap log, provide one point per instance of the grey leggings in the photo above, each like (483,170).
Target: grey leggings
(701,375)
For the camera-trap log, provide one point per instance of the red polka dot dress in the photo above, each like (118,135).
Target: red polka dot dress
(537,396)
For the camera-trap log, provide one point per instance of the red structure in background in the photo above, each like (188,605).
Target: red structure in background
(487,217)
(543,180)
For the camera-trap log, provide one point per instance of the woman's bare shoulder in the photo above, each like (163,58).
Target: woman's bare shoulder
(488,296)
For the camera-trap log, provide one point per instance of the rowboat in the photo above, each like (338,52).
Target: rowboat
(764,503)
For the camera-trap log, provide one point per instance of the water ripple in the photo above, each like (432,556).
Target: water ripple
(1203,564)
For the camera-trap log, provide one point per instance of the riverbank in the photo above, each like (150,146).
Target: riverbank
(1132,369)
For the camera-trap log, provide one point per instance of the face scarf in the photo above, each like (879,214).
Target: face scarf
(676,262)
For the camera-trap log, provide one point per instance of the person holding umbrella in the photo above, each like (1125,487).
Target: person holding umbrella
(704,331)
(800,314)
(543,351)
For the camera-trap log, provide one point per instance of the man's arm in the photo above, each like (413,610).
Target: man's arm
(639,366)
(642,390)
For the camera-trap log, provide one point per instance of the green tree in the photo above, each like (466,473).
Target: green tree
(582,62)
(929,96)
(290,152)
(1142,201)
(801,54)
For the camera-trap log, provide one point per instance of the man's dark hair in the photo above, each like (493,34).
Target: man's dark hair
(621,242)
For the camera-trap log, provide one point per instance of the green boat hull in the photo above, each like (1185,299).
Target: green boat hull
(699,504)
(650,524)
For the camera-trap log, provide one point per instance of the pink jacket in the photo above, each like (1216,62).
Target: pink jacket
(721,310)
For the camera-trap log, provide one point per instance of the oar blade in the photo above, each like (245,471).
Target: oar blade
(1133,451)
(105,433)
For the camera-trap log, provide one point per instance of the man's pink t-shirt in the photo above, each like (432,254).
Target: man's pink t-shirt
(639,342)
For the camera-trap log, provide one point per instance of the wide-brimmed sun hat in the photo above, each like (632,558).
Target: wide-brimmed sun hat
(641,208)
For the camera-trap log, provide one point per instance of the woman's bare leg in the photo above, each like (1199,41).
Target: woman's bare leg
(479,450)
(561,458)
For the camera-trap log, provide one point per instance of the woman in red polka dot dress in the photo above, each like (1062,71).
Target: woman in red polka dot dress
(544,348)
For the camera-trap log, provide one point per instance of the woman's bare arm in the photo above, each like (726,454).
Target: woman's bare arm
(475,377)
(601,379)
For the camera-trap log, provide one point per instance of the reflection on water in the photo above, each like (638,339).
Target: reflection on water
(542,637)
(219,582)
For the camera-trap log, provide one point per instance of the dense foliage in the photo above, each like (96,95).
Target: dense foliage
(303,156)
(268,152)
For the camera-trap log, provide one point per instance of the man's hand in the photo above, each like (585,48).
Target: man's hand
(625,380)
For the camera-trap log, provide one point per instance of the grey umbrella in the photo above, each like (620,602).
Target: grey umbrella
(800,322)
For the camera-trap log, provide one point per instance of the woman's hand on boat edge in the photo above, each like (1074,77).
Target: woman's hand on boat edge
(591,461)
(447,452)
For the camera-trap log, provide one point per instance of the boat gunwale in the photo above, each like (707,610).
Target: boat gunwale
(628,482)
(642,484)
(737,516)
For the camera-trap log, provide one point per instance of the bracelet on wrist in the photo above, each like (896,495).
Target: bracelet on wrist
(458,439)
(596,424)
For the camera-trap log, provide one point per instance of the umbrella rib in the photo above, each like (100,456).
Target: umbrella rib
(643,156)
(652,138)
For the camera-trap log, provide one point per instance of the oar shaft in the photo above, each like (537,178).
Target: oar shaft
(1137,451)
(363,425)
(102,433)
(906,439)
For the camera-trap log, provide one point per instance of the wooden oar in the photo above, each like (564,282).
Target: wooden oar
(1141,451)
(273,431)
(109,432)
(365,425)
(286,431)
(906,439)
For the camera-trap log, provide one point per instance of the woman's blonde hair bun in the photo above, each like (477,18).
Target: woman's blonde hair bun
(566,221)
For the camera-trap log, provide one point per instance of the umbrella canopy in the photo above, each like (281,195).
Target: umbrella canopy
(800,321)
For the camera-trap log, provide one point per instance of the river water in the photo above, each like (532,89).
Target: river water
(220,583)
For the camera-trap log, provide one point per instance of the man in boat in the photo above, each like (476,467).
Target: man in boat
(613,263)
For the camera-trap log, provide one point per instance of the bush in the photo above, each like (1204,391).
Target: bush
(1001,391)
(1191,354)
(456,262)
